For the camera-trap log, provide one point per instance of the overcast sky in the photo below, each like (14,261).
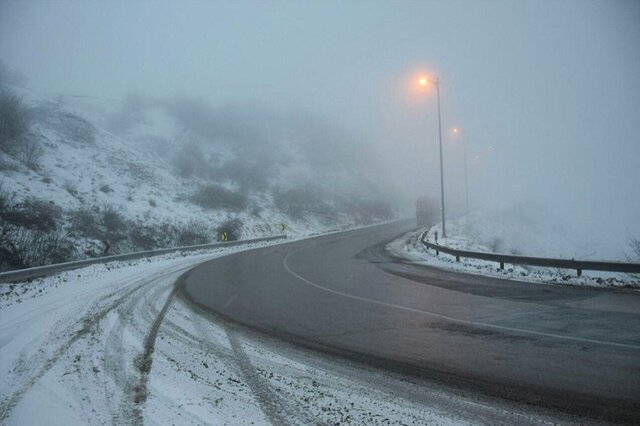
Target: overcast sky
(546,93)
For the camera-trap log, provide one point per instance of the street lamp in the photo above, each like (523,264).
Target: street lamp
(423,81)
(456,132)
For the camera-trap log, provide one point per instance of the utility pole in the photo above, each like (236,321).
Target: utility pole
(444,229)
(466,181)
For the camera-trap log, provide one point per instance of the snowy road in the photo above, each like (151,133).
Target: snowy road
(117,344)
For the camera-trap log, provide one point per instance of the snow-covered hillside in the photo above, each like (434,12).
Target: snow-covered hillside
(157,183)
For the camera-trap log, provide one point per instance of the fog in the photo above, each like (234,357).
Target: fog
(546,94)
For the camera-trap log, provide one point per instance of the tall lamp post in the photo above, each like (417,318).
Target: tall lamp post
(456,131)
(423,81)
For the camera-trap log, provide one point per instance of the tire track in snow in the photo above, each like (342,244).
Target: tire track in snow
(144,361)
(88,323)
(273,408)
(270,404)
(276,409)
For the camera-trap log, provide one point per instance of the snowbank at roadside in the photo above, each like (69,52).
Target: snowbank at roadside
(409,247)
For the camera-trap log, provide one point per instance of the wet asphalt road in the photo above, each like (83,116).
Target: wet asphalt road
(571,349)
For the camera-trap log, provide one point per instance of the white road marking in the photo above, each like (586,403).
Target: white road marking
(447,317)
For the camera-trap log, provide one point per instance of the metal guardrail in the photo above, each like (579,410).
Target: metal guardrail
(43,271)
(578,265)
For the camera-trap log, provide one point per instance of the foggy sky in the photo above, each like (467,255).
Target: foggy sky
(552,87)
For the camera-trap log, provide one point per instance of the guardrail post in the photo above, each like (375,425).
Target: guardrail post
(501,265)
(437,252)
(579,272)
(457,258)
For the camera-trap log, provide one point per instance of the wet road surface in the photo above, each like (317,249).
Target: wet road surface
(572,349)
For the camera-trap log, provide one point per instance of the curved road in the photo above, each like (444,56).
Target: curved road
(570,349)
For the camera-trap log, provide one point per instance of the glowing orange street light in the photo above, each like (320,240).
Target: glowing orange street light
(423,81)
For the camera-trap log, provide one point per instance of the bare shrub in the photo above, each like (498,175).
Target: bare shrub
(6,200)
(216,197)
(84,222)
(43,248)
(193,233)
(31,152)
(144,237)
(106,223)
(15,120)
(113,223)
(232,227)
(24,248)
(32,214)
(105,188)
(8,252)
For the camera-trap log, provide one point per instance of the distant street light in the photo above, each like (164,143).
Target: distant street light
(422,81)
(456,132)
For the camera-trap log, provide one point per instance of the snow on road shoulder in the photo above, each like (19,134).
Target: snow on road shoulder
(52,326)
(410,248)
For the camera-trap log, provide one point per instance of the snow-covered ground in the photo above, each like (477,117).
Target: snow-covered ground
(85,166)
(110,344)
(506,234)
